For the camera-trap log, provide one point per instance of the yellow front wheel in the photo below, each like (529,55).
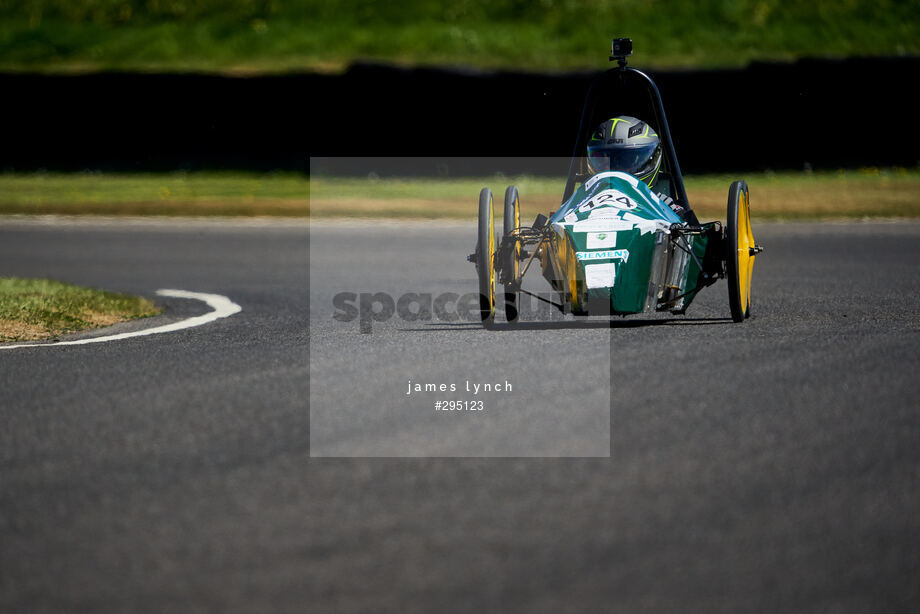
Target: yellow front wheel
(485,258)
(741,250)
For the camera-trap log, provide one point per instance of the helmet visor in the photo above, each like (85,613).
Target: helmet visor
(633,160)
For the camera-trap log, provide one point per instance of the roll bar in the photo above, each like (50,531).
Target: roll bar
(616,81)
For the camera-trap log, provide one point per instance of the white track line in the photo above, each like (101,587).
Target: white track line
(222,306)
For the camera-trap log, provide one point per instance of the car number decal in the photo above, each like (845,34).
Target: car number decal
(608,198)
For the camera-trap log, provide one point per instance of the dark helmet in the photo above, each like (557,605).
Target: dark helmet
(625,144)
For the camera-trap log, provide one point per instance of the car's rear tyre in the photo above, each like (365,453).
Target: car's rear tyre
(485,258)
(741,250)
(512,266)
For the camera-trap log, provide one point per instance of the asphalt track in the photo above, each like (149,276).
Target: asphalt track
(768,466)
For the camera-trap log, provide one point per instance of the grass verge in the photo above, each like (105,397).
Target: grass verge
(820,195)
(34,309)
(786,196)
(172,194)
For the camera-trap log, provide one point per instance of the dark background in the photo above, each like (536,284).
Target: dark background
(810,113)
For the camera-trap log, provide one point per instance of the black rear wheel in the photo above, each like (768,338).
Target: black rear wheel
(511,268)
(485,258)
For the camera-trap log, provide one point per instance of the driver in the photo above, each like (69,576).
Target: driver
(631,146)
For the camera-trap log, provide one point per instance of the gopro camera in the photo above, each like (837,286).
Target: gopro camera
(620,49)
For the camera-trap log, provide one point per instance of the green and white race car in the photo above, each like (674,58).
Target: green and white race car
(614,246)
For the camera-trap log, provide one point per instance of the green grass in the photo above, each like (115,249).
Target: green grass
(269,36)
(871,192)
(174,194)
(32,309)
(789,195)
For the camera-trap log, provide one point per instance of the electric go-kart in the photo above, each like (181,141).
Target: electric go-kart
(613,247)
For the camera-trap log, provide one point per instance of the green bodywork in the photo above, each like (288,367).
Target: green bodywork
(614,250)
